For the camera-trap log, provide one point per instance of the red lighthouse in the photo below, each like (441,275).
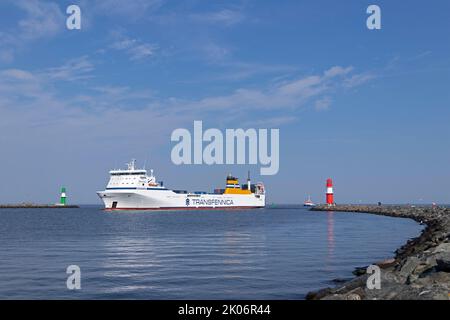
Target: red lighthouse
(330,197)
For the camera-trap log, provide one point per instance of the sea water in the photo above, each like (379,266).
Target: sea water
(274,253)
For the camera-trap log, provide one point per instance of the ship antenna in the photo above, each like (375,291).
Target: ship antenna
(131,165)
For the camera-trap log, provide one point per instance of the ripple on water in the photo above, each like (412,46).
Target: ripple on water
(261,254)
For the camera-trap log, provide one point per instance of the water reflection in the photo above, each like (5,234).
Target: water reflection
(242,247)
(131,258)
(330,236)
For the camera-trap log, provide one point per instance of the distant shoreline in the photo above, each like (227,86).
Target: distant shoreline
(420,269)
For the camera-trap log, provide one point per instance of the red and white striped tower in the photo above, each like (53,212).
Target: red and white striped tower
(330,197)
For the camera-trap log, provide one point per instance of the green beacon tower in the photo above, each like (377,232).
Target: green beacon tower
(62,200)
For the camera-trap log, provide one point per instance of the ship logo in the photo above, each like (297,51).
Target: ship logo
(187,202)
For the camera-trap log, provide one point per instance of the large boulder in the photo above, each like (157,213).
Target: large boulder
(409,266)
(443,262)
(443,247)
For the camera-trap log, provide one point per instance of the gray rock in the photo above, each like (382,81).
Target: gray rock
(435,278)
(316,295)
(409,266)
(421,269)
(359,271)
(353,296)
(386,263)
(443,262)
(340,280)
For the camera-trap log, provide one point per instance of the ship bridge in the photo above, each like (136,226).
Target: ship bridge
(132,178)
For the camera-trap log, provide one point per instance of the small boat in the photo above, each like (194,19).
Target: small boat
(309,203)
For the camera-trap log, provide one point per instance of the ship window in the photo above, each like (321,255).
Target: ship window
(128,174)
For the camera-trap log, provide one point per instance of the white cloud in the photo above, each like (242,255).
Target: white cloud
(134,48)
(269,122)
(337,71)
(225,17)
(16,83)
(6,55)
(131,9)
(17,74)
(124,44)
(214,52)
(31,99)
(305,86)
(34,92)
(358,79)
(235,71)
(41,20)
(323,104)
(112,90)
(142,51)
(288,95)
(74,69)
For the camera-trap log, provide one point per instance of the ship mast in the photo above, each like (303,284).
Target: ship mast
(132,164)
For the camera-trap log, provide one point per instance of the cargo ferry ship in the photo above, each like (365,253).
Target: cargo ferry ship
(134,189)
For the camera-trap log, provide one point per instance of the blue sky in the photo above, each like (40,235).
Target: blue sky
(368,108)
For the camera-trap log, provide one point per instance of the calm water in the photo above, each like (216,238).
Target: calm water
(256,254)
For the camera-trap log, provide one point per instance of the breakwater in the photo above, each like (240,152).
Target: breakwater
(36,206)
(420,269)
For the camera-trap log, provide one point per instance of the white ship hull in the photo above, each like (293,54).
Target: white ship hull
(134,189)
(164,199)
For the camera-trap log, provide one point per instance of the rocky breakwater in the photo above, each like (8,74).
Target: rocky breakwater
(420,268)
(37,206)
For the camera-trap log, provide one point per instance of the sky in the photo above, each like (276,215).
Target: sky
(368,108)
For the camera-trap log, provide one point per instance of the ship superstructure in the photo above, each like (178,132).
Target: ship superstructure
(134,189)
(308,202)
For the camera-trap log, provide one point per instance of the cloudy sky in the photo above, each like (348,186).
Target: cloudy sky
(367,108)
